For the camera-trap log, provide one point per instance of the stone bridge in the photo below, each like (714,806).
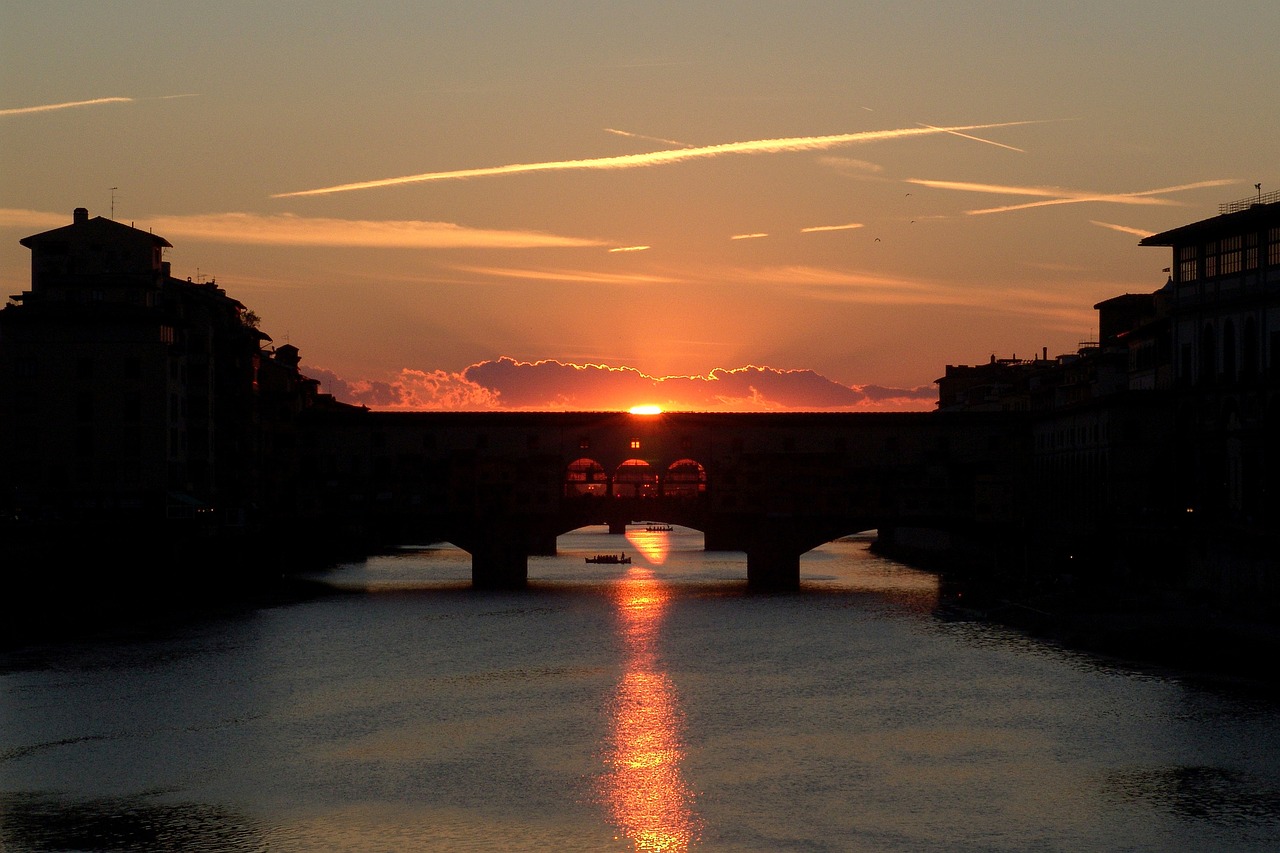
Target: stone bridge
(503,486)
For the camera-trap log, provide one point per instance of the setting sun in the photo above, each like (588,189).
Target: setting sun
(647,409)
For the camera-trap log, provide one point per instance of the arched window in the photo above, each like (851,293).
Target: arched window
(585,477)
(685,478)
(635,479)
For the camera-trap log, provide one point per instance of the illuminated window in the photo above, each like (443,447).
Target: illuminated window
(584,443)
(635,444)
(1273,247)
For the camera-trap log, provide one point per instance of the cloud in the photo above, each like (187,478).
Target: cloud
(854,287)
(851,168)
(756,236)
(550,385)
(410,390)
(1058,195)
(569,276)
(17,218)
(290,230)
(657,158)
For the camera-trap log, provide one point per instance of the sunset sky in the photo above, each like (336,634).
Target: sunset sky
(588,205)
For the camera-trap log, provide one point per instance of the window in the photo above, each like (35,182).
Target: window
(1187,263)
(635,444)
(584,443)
(1211,259)
(1273,247)
(1231,258)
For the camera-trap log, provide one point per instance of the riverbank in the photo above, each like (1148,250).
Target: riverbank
(1195,641)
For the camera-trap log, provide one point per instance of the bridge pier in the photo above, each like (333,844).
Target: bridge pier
(542,544)
(500,560)
(773,567)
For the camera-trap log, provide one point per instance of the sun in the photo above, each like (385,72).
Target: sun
(646,409)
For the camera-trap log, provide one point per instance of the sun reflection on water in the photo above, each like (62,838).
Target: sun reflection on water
(646,793)
(653,545)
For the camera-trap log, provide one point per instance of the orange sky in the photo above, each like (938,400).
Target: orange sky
(586,206)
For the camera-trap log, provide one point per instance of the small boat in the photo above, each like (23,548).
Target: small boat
(658,528)
(609,558)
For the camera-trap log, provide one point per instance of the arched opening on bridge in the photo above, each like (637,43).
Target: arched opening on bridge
(635,478)
(585,477)
(686,478)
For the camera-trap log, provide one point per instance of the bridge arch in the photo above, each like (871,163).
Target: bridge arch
(585,478)
(635,478)
(685,478)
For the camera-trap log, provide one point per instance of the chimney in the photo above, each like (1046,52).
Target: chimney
(80,215)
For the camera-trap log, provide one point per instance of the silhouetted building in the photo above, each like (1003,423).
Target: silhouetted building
(1223,333)
(149,410)
(132,403)
(1154,449)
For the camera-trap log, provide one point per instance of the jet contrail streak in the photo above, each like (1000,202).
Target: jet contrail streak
(47,107)
(1050,202)
(650,138)
(656,158)
(1143,197)
(1124,229)
(1057,195)
(814,228)
(976,138)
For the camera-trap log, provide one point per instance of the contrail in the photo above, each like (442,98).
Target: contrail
(814,228)
(1056,195)
(657,158)
(44,108)
(65,105)
(1125,229)
(650,138)
(976,138)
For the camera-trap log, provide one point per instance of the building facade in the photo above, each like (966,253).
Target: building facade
(133,403)
(1154,449)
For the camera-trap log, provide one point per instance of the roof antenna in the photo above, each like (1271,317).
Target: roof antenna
(113,202)
(1258,187)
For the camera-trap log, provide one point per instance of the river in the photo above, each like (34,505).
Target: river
(655,705)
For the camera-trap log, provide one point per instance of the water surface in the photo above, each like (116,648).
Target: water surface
(652,706)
